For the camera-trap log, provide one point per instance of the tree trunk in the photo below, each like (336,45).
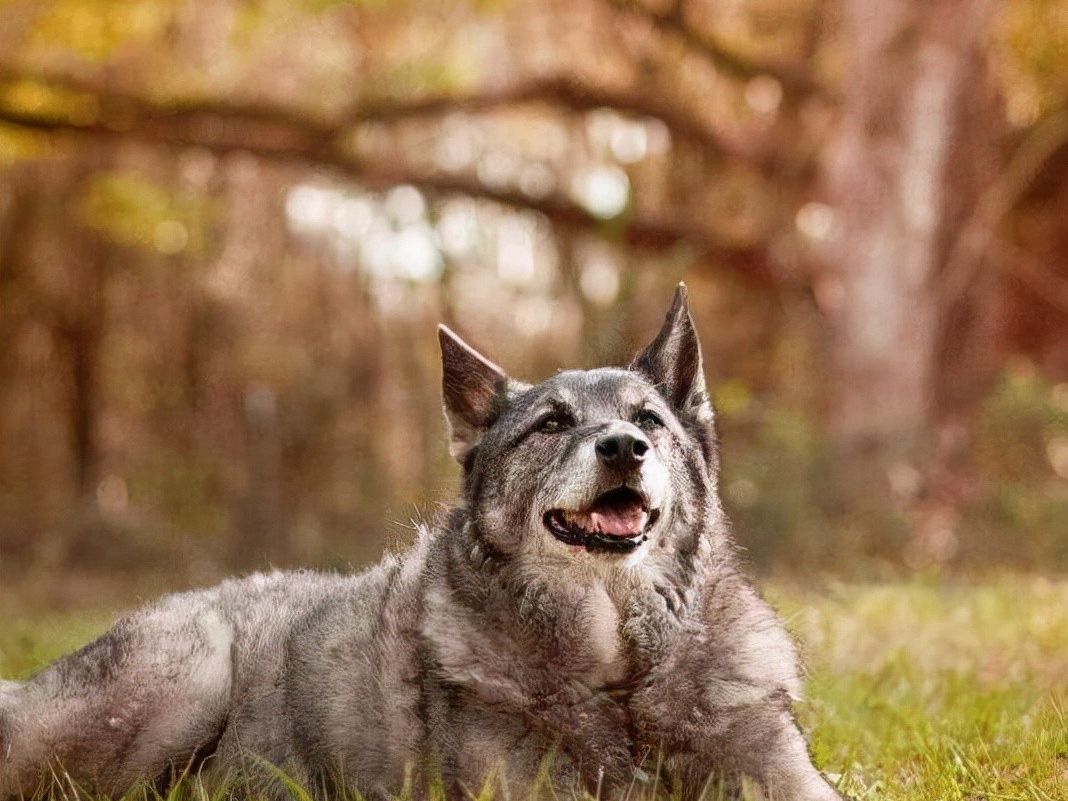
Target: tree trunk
(889,178)
(83,331)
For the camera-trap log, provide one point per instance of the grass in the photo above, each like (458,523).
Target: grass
(917,691)
(923,691)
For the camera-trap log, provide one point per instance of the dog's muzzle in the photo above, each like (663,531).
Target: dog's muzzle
(616,522)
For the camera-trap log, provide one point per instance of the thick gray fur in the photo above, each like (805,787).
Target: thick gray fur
(489,651)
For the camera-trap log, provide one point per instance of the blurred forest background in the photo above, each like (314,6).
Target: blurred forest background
(228,227)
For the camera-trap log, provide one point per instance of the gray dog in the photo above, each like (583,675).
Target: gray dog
(578,619)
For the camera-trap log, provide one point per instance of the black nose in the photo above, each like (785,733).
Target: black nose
(621,450)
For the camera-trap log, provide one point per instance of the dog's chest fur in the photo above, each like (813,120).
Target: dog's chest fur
(604,643)
(572,633)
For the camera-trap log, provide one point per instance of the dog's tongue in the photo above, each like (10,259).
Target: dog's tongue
(618,517)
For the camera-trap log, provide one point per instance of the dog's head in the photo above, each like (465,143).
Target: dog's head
(589,464)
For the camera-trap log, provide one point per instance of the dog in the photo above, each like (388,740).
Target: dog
(578,618)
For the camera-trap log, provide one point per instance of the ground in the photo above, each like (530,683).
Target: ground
(955,691)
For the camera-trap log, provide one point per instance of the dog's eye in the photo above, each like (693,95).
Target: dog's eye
(557,421)
(647,418)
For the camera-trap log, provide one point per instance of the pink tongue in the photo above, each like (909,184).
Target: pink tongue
(619,522)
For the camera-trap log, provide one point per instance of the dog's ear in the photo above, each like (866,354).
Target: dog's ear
(672,361)
(473,390)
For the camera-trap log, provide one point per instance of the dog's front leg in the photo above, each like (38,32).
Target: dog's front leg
(716,699)
(759,742)
(592,730)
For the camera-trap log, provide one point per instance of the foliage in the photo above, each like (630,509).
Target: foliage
(1031,40)
(96,29)
(1020,451)
(797,499)
(227,228)
(137,212)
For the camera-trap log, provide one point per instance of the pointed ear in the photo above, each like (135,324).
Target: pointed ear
(672,361)
(473,390)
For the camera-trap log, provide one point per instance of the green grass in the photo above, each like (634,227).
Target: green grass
(923,691)
(917,691)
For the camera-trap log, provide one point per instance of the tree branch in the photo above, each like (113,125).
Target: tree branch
(305,146)
(642,232)
(568,93)
(560,92)
(1028,161)
(1045,284)
(793,77)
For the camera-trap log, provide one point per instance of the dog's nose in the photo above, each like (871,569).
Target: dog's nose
(621,450)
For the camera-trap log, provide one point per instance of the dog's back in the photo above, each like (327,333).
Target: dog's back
(213,671)
(338,681)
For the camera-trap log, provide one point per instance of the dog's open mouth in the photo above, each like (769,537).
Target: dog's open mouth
(617,521)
